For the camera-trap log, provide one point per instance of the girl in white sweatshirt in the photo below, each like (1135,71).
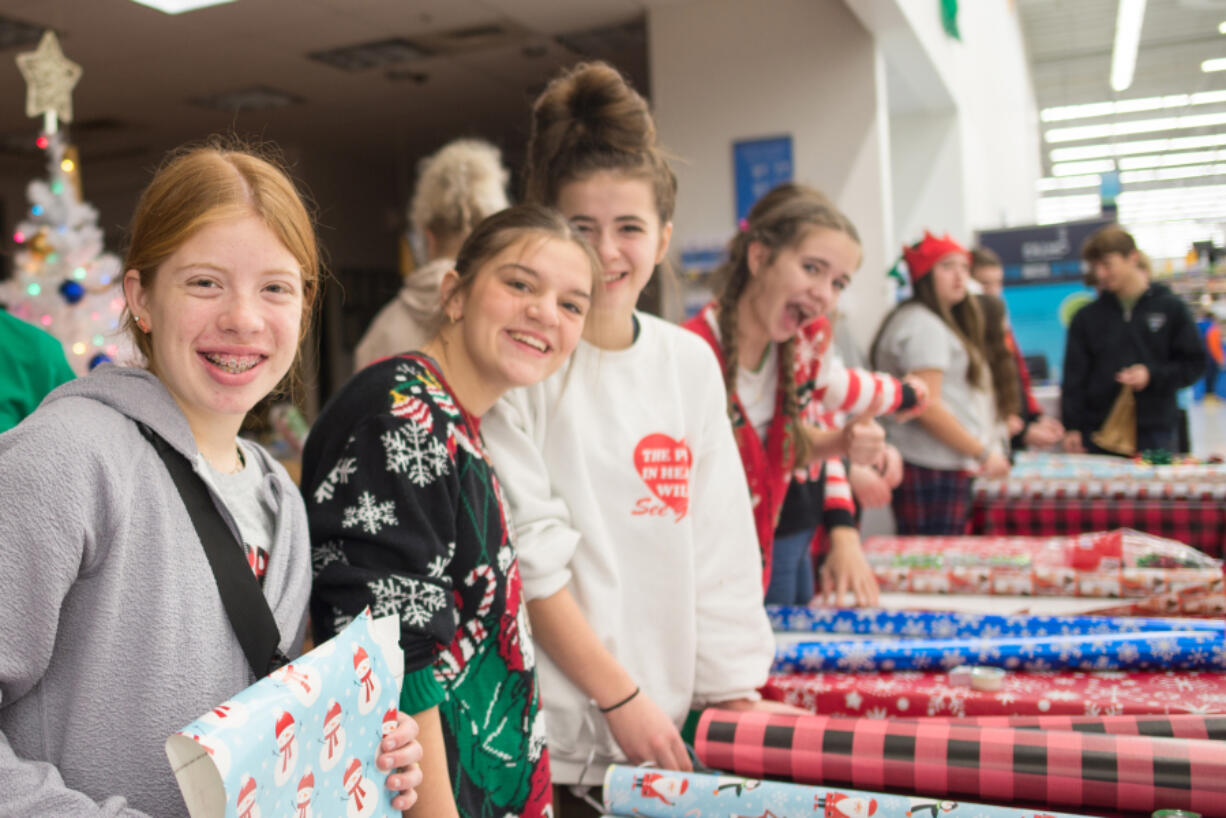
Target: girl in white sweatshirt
(636,537)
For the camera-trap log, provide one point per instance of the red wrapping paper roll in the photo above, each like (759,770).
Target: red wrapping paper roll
(998,764)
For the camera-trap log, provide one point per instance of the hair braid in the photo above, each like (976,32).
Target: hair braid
(791,402)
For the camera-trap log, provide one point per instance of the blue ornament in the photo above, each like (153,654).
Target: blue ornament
(72,291)
(100,358)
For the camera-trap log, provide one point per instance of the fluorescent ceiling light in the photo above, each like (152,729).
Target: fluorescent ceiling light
(1082,168)
(1165,123)
(1068,182)
(1171,174)
(180,6)
(1127,38)
(1221,28)
(1129,106)
(1137,146)
(1169,160)
(1217,64)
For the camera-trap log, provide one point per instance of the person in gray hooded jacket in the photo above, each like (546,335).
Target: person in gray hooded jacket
(112,630)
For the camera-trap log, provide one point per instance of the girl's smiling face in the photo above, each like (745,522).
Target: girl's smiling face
(619,217)
(525,311)
(224,312)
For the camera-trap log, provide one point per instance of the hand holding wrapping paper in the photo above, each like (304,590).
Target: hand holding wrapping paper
(652,793)
(302,741)
(947,759)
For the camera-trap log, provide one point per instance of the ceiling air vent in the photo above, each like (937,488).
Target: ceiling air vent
(255,98)
(377,54)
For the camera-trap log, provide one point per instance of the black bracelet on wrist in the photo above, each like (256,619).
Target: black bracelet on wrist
(624,701)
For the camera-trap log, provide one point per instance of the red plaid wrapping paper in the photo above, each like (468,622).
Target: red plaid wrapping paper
(996,764)
(1077,693)
(1180,725)
(1201,525)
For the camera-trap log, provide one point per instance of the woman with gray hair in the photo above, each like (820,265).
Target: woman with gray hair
(457,187)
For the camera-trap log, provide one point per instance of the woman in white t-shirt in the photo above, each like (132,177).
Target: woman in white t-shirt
(937,335)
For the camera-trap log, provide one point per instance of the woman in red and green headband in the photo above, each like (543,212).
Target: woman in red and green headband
(937,335)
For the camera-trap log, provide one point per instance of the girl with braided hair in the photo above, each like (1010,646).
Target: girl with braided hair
(783,276)
(632,513)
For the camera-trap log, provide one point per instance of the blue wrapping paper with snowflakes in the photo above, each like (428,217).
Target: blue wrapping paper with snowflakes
(950,625)
(647,792)
(1172,650)
(301,742)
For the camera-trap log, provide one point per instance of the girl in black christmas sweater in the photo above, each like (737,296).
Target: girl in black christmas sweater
(407,515)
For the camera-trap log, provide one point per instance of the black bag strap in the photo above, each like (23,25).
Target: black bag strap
(240,591)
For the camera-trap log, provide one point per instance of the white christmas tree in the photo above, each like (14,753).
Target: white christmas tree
(63,279)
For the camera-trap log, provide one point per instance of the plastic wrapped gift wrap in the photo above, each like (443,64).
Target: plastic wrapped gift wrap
(945,625)
(654,793)
(1106,473)
(939,759)
(1120,564)
(1076,693)
(1170,650)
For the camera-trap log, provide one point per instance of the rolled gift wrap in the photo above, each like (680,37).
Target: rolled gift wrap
(949,760)
(1174,650)
(950,625)
(653,793)
(1179,725)
(1068,693)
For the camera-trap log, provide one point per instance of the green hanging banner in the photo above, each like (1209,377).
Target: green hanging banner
(949,18)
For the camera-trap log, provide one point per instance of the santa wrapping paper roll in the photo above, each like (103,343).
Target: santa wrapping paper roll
(943,759)
(653,793)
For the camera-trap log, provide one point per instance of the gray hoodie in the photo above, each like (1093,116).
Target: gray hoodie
(408,320)
(112,633)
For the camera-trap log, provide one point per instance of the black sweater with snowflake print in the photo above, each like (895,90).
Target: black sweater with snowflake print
(407,517)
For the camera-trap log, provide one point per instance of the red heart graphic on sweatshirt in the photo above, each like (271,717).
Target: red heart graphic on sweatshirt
(664,465)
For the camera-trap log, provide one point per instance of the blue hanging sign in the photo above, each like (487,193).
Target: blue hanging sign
(759,165)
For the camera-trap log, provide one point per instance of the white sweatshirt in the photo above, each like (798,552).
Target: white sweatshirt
(626,487)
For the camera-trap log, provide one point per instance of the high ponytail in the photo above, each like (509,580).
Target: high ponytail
(589,119)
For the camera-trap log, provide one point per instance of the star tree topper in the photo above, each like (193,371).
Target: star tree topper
(50,78)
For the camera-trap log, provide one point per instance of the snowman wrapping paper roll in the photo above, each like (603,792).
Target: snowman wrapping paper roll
(646,792)
(301,742)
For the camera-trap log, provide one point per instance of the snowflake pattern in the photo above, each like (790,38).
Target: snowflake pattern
(345,468)
(371,515)
(857,657)
(438,566)
(413,600)
(325,554)
(413,451)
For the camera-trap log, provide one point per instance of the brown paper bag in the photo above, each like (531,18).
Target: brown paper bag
(1118,433)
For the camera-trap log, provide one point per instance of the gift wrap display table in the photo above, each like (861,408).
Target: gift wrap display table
(1054,494)
(1040,714)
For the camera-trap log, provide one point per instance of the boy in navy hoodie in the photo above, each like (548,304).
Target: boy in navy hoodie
(1137,335)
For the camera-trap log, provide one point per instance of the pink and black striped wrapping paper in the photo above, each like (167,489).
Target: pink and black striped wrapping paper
(1001,764)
